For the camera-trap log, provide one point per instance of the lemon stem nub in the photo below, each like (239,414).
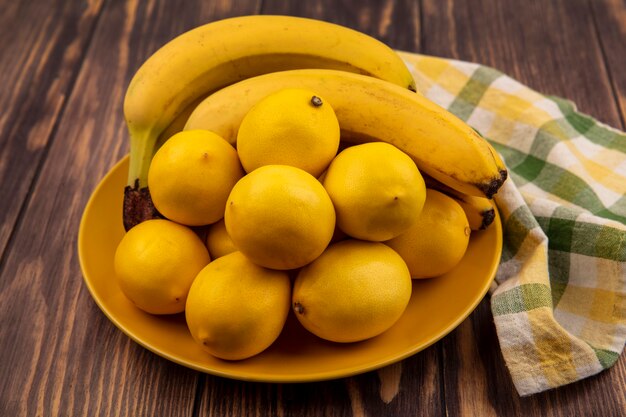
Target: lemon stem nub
(298,308)
(316,101)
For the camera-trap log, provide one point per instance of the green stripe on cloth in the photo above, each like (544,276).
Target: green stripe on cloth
(515,229)
(579,122)
(567,213)
(521,299)
(512,156)
(555,180)
(559,264)
(558,289)
(589,127)
(589,239)
(560,232)
(549,135)
(611,243)
(606,357)
(607,138)
(530,168)
(545,141)
(618,207)
(464,104)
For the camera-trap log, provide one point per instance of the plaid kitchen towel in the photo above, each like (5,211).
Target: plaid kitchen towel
(559,303)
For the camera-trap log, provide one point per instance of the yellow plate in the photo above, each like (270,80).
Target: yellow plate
(437,306)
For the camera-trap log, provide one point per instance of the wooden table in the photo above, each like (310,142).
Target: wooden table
(64,67)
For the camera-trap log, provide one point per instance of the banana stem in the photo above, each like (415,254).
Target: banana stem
(142,146)
(138,206)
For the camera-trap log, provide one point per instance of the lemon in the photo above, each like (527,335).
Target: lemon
(355,290)
(191,176)
(155,264)
(438,240)
(237,309)
(280,217)
(218,241)
(293,127)
(377,190)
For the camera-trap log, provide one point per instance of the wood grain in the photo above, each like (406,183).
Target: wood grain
(394,22)
(60,355)
(610,20)
(543,45)
(550,46)
(65,66)
(418,395)
(37,72)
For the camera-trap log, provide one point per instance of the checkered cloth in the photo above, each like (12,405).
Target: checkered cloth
(559,299)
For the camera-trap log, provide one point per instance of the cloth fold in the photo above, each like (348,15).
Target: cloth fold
(559,303)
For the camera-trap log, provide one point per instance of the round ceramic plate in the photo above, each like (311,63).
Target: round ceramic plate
(437,306)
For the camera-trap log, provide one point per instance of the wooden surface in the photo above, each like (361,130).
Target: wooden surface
(64,66)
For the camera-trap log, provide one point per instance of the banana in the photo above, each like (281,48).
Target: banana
(218,54)
(478,210)
(177,124)
(441,145)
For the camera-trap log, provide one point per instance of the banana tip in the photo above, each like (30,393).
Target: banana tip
(492,187)
(488,218)
(138,206)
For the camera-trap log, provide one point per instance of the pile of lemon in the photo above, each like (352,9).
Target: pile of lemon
(294,223)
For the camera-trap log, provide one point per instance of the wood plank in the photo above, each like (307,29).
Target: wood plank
(553,48)
(469,352)
(610,19)
(37,70)
(550,46)
(60,355)
(394,22)
(407,388)
(417,392)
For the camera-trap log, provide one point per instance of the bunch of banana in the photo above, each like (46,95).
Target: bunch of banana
(199,62)
(368,109)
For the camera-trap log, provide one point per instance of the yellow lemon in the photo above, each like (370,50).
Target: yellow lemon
(155,264)
(377,190)
(191,176)
(218,241)
(237,309)
(293,127)
(355,290)
(280,217)
(438,240)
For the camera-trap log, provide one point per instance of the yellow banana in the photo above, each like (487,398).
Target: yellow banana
(478,210)
(441,145)
(218,54)
(177,124)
